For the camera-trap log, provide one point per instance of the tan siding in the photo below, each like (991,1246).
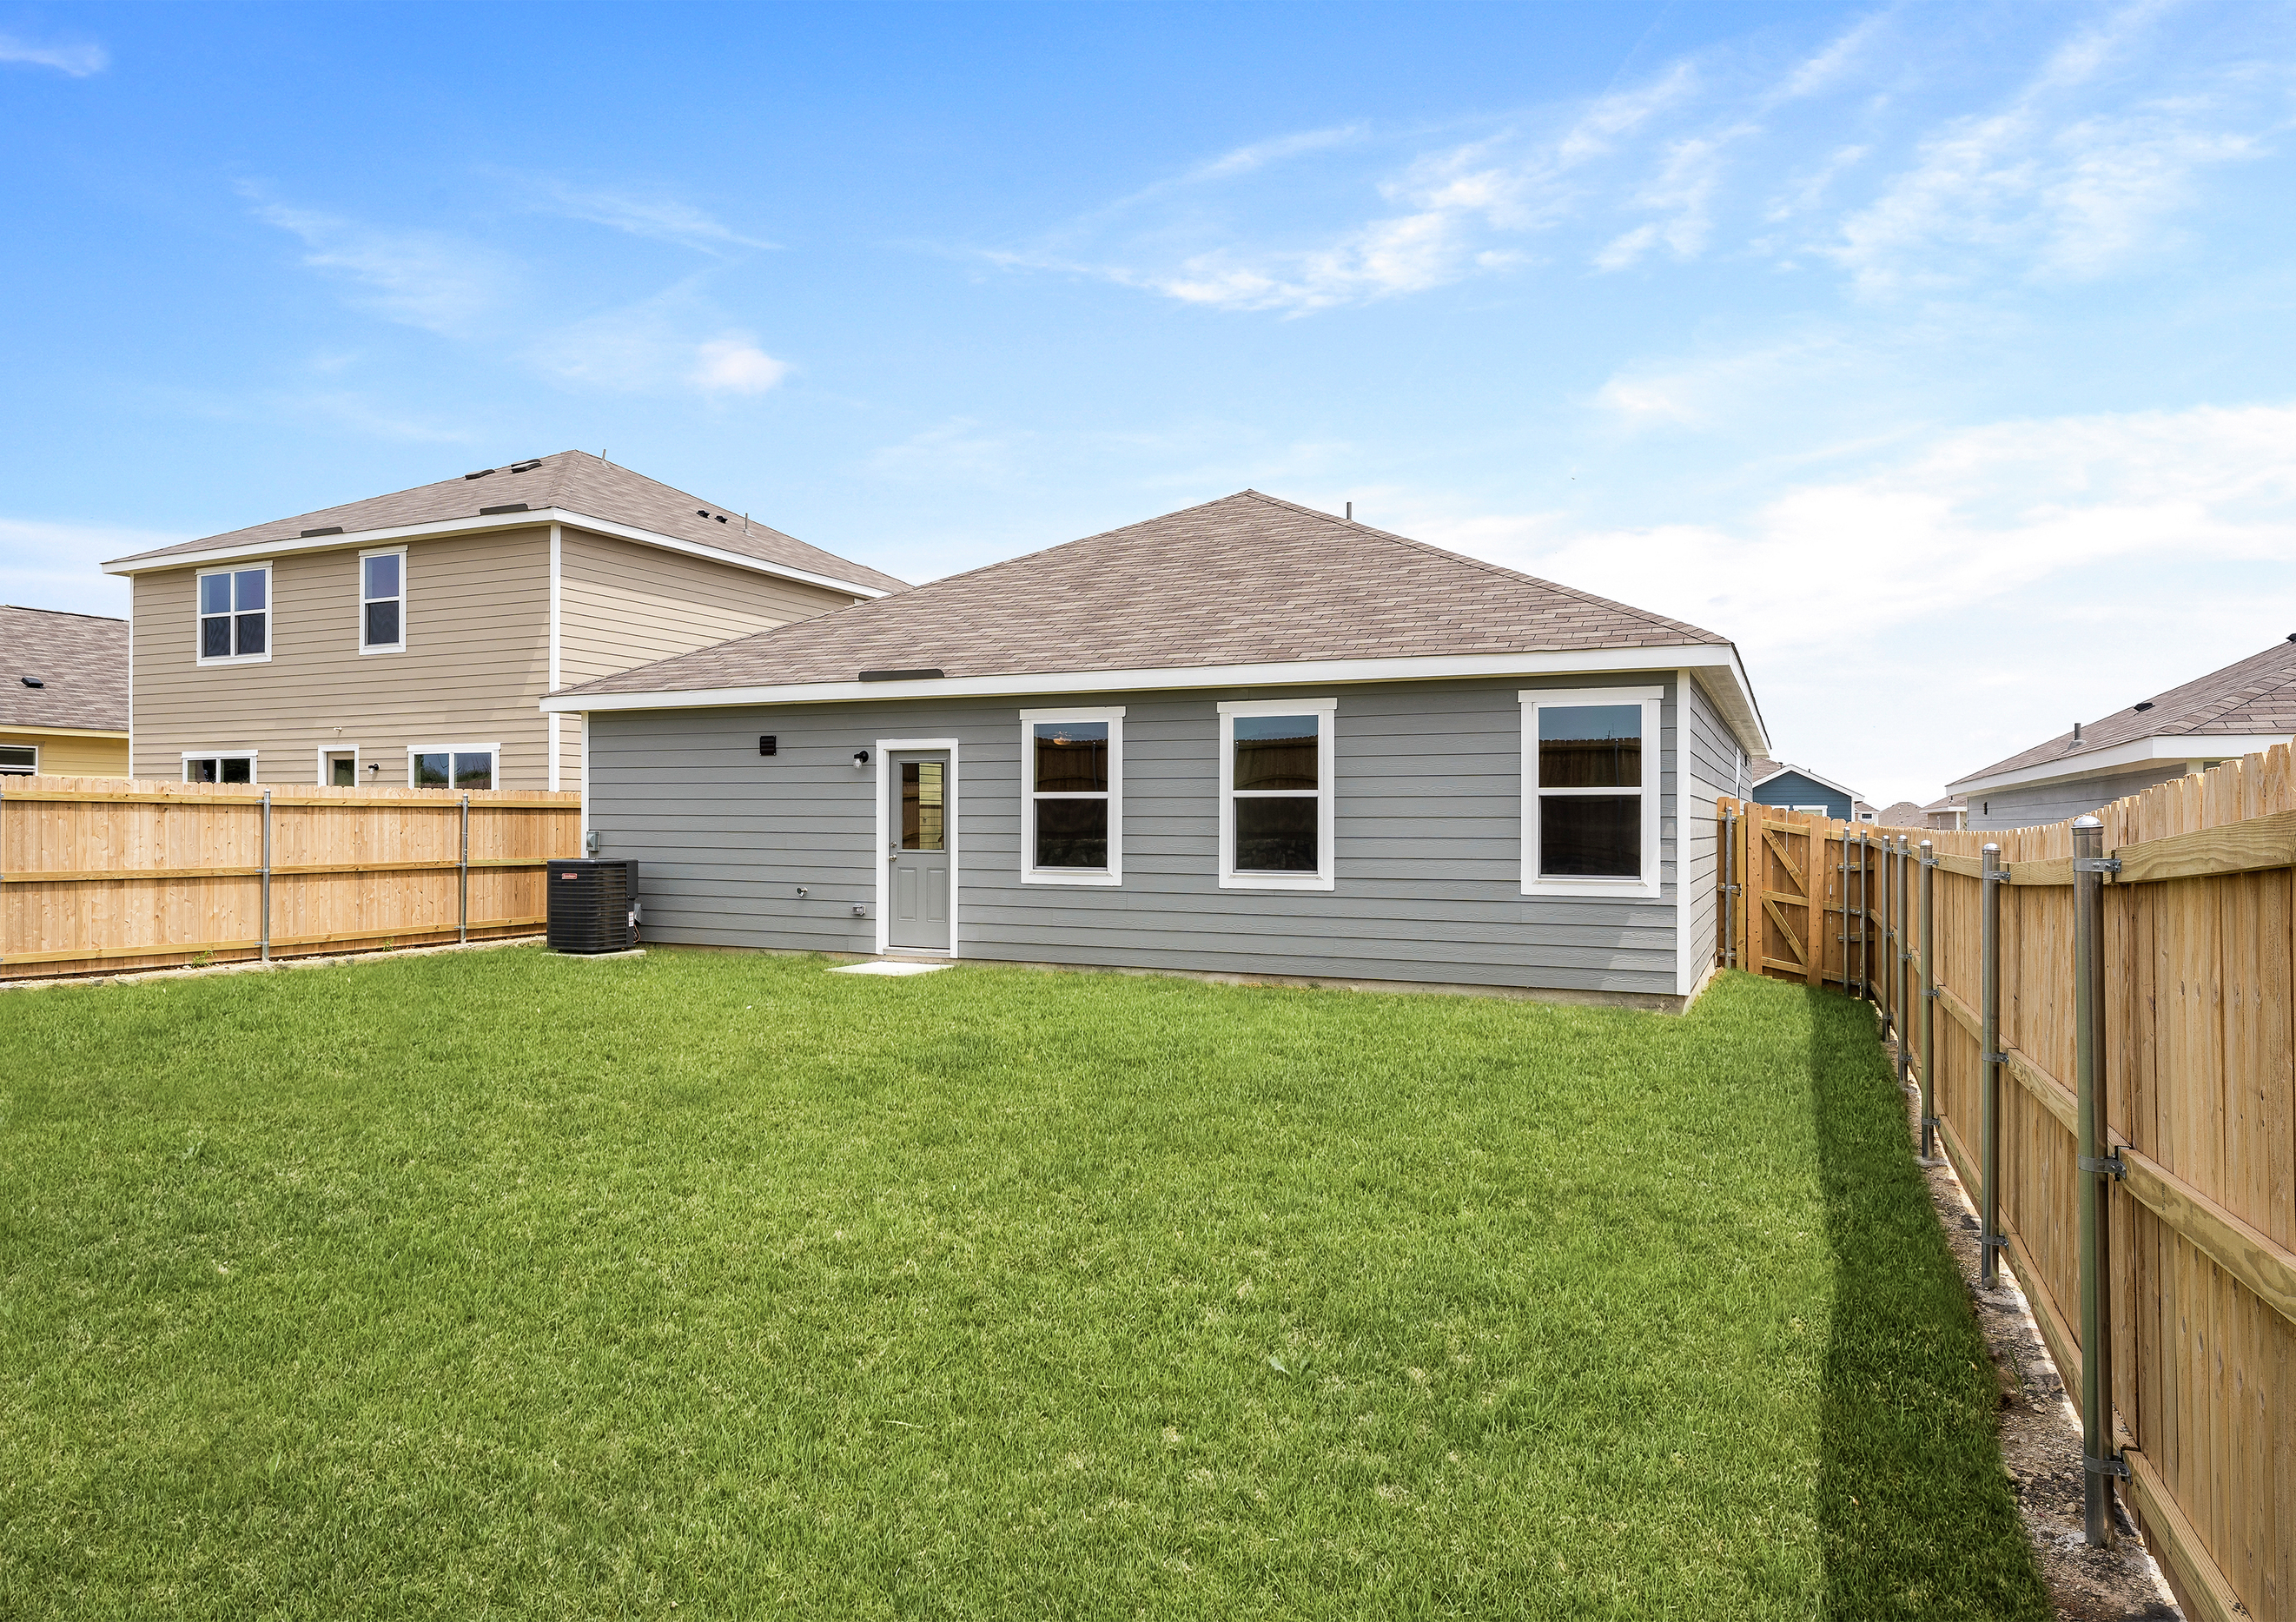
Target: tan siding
(475,668)
(63,754)
(622,604)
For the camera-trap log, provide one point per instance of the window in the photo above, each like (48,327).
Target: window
(452,765)
(20,760)
(1590,803)
(382,602)
(1072,796)
(235,614)
(236,766)
(1276,772)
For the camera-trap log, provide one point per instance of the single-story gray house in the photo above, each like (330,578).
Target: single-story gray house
(2238,710)
(1796,788)
(1245,739)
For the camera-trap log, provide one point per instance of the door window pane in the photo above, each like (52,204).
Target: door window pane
(431,771)
(1275,752)
(343,773)
(1590,836)
(921,804)
(1072,833)
(474,770)
(1276,834)
(1072,757)
(1590,746)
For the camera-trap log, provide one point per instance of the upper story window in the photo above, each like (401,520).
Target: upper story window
(235,614)
(1276,795)
(383,600)
(1072,796)
(1590,802)
(20,760)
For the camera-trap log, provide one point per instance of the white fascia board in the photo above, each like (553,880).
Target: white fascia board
(2122,757)
(534,518)
(1803,770)
(29,728)
(1721,660)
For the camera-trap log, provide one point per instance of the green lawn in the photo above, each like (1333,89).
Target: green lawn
(704,1285)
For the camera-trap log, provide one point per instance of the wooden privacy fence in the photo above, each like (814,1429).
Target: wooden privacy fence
(98,873)
(2190,1183)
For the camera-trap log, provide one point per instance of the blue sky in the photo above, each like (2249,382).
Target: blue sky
(1938,354)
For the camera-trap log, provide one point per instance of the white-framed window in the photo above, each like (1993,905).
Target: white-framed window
(453,765)
(234,614)
(20,760)
(1275,794)
(1590,791)
(1813,810)
(1072,796)
(383,600)
(219,765)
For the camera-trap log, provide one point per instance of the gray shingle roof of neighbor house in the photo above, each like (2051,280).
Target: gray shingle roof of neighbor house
(1905,814)
(1246,580)
(80,661)
(2256,697)
(572,482)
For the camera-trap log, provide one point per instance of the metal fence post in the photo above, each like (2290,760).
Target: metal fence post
(267,875)
(463,877)
(1729,889)
(1988,1215)
(2101,1461)
(1929,1003)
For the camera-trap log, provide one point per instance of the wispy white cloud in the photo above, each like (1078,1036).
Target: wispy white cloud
(78,59)
(665,344)
(44,564)
(660,218)
(421,278)
(1967,564)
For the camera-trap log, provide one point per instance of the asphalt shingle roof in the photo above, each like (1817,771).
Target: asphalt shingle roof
(1245,579)
(81,659)
(574,480)
(2256,695)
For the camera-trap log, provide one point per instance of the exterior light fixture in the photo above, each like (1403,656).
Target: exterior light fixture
(860,759)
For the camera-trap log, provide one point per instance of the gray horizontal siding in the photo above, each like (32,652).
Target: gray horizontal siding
(2056,802)
(1427,841)
(1715,764)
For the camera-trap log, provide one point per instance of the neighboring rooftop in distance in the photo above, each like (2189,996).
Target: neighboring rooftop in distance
(573,482)
(80,661)
(2253,701)
(1761,769)
(1247,580)
(1904,813)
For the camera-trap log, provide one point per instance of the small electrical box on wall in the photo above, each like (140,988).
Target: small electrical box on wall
(768,744)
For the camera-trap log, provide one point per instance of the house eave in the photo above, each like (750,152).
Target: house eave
(41,729)
(491,523)
(2122,757)
(1715,666)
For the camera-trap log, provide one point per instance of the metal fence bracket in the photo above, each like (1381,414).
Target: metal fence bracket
(2104,1166)
(2112,1465)
(2096,865)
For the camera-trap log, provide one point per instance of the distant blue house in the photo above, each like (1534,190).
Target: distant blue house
(1793,788)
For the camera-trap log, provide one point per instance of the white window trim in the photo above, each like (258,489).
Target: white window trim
(319,771)
(34,748)
(880,757)
(253,775)
(1030,873)
(270,615)
(382,551)
(494,750)
(1326,876)
(1810,810)
(1649,887)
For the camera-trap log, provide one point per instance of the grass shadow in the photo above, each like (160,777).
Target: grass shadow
(1914,1511)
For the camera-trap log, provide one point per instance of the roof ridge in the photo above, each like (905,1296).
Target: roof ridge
(1659,620)
(27,607)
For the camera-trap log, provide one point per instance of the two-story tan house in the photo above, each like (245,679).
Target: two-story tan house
(408,639)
